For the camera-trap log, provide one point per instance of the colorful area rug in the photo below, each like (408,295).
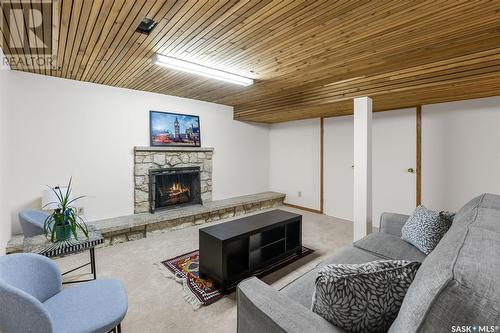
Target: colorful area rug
(198,291)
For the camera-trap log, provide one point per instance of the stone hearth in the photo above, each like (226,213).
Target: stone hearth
(136,226)
(146,158)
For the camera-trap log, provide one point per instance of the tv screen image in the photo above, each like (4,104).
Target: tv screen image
(174,129)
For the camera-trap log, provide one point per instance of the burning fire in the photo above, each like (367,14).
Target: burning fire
(177,189)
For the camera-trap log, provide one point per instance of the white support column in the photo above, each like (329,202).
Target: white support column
(362,167)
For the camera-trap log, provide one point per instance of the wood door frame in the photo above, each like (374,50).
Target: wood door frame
(418,167)
(321,166)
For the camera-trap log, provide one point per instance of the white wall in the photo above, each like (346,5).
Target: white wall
(294,161)
(460,152)
(338,171)
(460,157)
(62,128)
(393,150)
(4,146)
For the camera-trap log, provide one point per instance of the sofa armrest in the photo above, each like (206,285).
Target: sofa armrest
(392,223)
(261,308)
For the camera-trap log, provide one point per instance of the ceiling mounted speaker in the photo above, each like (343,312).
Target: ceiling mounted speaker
(146,26)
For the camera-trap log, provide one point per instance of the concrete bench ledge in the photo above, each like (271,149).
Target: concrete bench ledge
(137,226)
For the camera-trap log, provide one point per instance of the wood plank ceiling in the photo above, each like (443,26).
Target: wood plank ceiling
(309,58)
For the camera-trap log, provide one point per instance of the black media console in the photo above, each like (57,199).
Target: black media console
(232,251)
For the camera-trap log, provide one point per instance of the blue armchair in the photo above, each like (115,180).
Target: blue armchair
(32,222)
(32,299)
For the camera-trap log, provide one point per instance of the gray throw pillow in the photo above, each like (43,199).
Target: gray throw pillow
(425,228)
(364,297)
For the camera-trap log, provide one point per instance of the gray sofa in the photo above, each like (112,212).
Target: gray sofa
(458,284)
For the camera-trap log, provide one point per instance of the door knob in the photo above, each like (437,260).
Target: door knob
(411,170)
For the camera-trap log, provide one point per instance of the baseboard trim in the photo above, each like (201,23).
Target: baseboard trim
(303,208)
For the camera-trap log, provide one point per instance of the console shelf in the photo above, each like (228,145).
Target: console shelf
(232,251)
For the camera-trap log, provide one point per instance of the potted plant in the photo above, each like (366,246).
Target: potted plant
(65,220)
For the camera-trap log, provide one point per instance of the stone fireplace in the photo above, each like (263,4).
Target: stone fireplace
(189,165)
(186,167)
(174,187)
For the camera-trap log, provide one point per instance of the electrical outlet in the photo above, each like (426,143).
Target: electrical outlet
(300,194)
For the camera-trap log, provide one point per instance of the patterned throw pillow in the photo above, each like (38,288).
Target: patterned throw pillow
(364,297)
(425,228)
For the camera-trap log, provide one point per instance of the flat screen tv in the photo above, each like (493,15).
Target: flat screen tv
(174,129)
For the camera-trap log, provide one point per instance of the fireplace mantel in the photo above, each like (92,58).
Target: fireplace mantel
(174,149)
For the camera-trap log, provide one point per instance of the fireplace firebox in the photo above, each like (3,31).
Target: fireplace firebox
(174,187)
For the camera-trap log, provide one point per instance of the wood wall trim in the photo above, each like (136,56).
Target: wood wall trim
(321,166)
(419,155)
(303,208)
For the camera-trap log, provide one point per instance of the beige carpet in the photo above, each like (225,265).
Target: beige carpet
(156,303)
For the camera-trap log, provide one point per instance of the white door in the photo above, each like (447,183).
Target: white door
(394,152)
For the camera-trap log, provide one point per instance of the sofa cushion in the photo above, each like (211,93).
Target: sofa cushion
(363,297)
(457,284)
(301,289)
(425,228)
(389,246)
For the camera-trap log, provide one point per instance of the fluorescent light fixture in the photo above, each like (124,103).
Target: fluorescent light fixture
(193,68)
